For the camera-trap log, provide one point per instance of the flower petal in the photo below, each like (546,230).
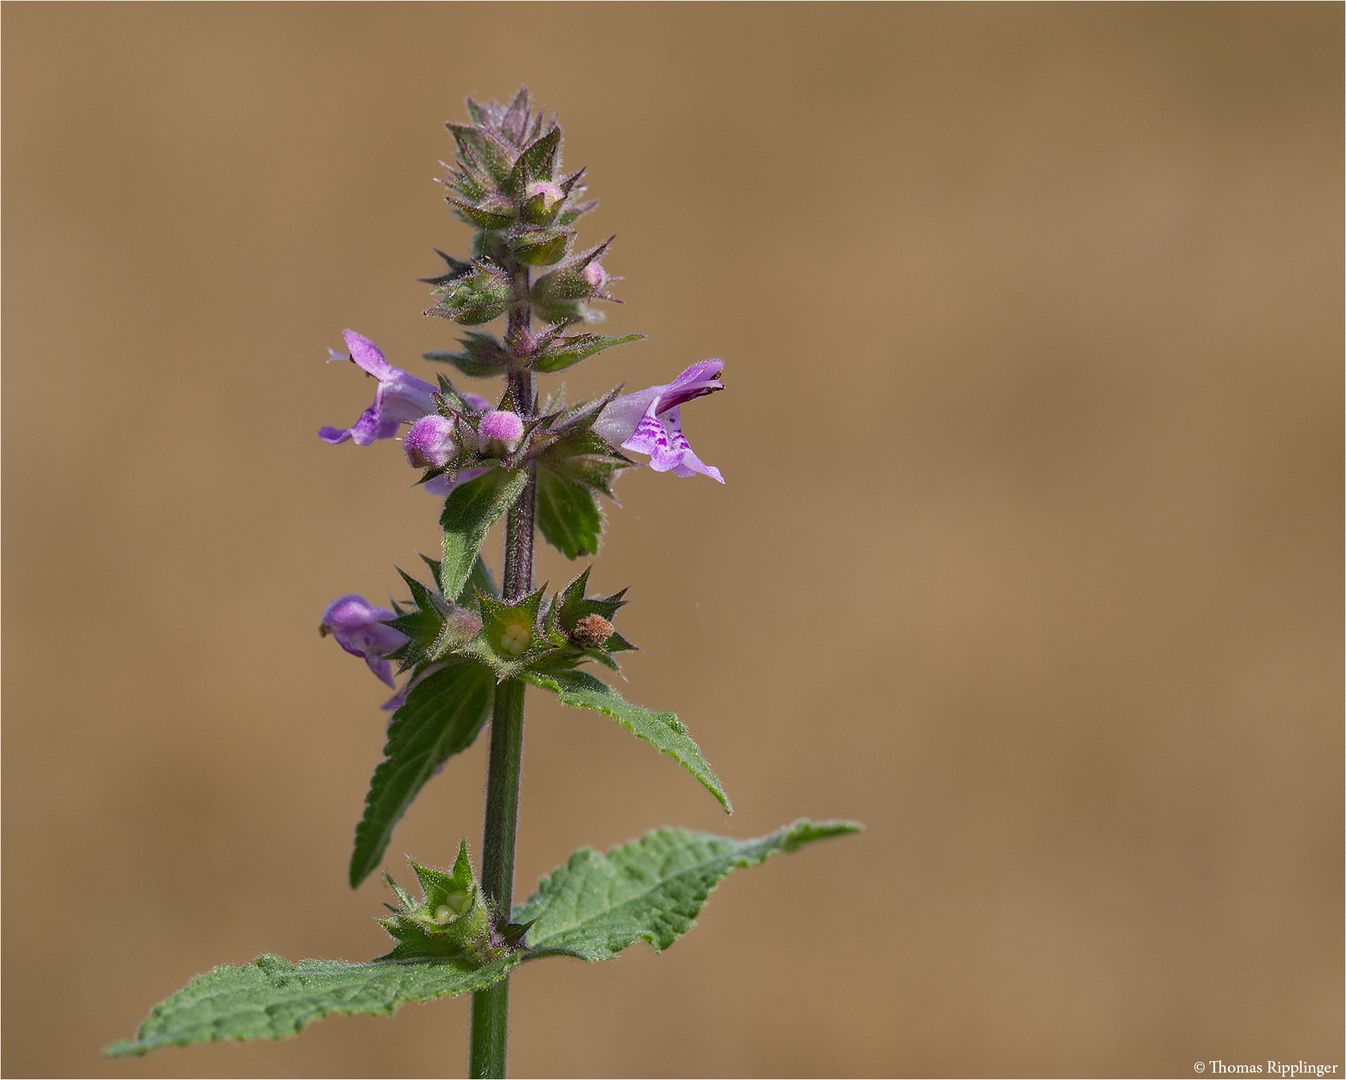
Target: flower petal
(400,398)
(361,629)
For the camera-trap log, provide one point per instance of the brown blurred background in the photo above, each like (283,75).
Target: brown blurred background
(1029,557)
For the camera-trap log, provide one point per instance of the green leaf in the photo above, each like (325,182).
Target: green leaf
(648,890)
(568,352)
(664,731)
(442,716)
(568,515)
(272,998)
(482,356)
(469,511)
(433,564)
(593,907)
(479,580)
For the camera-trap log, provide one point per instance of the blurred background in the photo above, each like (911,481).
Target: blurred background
(1029,556)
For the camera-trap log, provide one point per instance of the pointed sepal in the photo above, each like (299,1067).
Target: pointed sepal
(453,921)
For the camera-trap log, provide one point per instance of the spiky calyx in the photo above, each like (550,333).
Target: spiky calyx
(453,921)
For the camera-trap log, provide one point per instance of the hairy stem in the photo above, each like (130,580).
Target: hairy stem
(490,1008)
(490,1031)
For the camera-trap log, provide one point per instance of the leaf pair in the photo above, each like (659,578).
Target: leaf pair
(444,713)
(650,889)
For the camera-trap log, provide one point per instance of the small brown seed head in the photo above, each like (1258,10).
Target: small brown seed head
(591,630)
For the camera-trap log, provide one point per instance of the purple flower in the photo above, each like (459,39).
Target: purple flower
(400,398)
(648,422)
(361,629)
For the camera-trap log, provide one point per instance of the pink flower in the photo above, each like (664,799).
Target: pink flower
(504,428)
(400,398)
(648,422)
(429,442)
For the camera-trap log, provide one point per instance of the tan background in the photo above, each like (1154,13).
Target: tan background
(1029,556)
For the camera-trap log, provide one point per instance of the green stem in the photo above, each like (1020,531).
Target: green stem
(490,1031)
(490,1008)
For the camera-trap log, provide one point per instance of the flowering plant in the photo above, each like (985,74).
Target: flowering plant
(469,649)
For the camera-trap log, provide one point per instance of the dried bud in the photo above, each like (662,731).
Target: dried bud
(500,430)
(429,442)
(591,630)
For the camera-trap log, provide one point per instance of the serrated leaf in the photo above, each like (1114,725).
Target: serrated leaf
(570,351)
(442,716)
(664,730)
(272,998)
(568,515)
(469,511)
(650,889)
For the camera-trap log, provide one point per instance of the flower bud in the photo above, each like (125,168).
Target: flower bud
(541,201)
(429,442)
(594,275)
(473,298)
(500,430)
(540,247)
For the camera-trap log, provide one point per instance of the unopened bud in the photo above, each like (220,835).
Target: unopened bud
(548,196)
(429,442)
(541,201)
(591,630)
(594,275)
(502,428)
